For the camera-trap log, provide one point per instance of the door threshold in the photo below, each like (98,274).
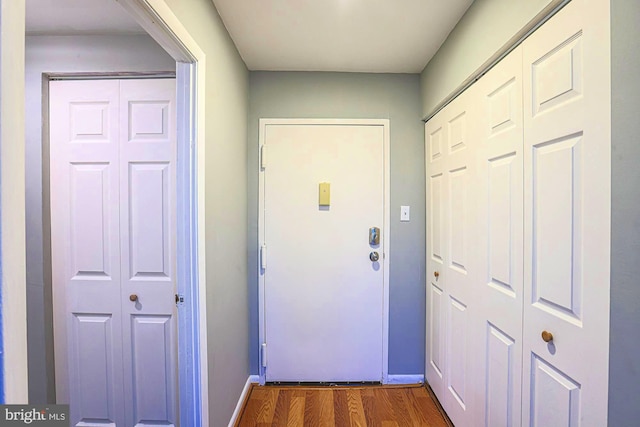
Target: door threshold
(323,383)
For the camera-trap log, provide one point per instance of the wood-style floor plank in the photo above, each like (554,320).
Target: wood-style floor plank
(296,411)
(341,408)
(384,407)
(327,413)
(281,413)
(356,411)
(351,406)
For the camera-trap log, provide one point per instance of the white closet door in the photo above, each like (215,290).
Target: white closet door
(147,240)
(500,246)
(86,249)
(450,264)
(460,261)
(435,362)
(113,147)
(567,217)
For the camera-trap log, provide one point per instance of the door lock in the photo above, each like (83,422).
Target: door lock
(374,236)
(374,256)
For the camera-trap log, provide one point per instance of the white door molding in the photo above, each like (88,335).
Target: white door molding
(386,224)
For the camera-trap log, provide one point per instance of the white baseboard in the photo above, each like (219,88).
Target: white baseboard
(243,395)
(405,379)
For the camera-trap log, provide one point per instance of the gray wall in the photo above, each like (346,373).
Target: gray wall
(62,54)
(483,30)
(223,182)
(624,363)
(352,95)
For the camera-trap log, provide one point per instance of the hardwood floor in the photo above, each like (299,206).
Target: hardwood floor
(379,406)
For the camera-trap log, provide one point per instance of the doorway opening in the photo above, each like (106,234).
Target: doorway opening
(159,22)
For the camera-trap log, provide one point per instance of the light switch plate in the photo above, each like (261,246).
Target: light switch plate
(405,213)
(324,194)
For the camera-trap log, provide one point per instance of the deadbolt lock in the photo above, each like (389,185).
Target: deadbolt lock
(374,256)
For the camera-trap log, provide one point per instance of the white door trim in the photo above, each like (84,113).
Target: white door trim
(386,224)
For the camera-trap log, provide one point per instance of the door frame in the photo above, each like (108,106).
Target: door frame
(264,122)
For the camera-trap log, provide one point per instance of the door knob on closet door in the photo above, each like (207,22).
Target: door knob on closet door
(547,336)
(133,297)
(436,274)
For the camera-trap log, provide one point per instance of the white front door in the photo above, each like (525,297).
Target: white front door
(567,201)
(323,295)
(113,152)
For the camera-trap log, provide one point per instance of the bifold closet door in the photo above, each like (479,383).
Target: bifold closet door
(567,218)
(498,326)
(113,227)
(450,261)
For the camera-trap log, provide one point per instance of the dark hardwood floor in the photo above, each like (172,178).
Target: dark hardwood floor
(383,406)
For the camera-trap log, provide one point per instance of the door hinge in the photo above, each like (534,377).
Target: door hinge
(263,257)
(179,299)
(263,157)
(263,354)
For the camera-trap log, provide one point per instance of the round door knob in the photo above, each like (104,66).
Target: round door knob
(374,256)
(436,274)
(547,336)
(133,297)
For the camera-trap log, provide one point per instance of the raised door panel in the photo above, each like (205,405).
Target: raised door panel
(436,332)
(89,202)
(501,378)
(555,396)
(149,221)
(556,281)
(96,382)
(152,341)
(457,365)
(567,217)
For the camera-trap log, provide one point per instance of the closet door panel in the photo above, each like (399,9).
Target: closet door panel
(459,262)
(435,138)
(499,242)
(567,217)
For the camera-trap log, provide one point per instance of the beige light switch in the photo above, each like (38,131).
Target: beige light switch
(324,194)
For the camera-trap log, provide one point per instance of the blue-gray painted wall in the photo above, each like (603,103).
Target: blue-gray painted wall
(624,355)
(355,95)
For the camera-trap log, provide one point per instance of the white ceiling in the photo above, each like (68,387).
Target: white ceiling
(396,36)
(66,17)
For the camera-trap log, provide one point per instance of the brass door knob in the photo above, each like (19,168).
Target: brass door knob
(436,274)
(547,336)
(133,297)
